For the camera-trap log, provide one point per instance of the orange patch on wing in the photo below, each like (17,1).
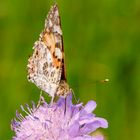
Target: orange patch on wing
(49,40)
(56,62)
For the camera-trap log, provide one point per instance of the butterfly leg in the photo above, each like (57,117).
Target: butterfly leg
(52,100)
(40,100)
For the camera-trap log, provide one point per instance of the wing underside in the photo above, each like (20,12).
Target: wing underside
(46,65)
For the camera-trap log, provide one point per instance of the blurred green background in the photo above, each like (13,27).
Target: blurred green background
(101,39)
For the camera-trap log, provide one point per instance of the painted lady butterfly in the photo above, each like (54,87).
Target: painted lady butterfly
(46,68)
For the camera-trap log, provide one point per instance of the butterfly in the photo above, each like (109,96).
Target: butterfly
(46,67)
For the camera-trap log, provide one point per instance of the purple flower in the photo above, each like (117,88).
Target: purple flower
(60,121)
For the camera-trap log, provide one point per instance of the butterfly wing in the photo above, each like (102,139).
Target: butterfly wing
(46,65)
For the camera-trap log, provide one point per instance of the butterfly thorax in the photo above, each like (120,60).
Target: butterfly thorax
(63,89)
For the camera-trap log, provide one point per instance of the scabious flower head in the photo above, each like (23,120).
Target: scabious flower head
(60,121)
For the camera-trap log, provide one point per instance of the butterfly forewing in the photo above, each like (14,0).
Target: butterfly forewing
(46,65)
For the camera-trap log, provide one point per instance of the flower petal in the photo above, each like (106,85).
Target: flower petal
(90,106)
(90,127)
(74,129)
(86,137)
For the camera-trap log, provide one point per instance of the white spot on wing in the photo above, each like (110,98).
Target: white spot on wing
(49,57)
(57,29)
(58,53)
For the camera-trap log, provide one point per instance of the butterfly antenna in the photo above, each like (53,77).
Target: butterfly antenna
(77,101)
(104,81)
